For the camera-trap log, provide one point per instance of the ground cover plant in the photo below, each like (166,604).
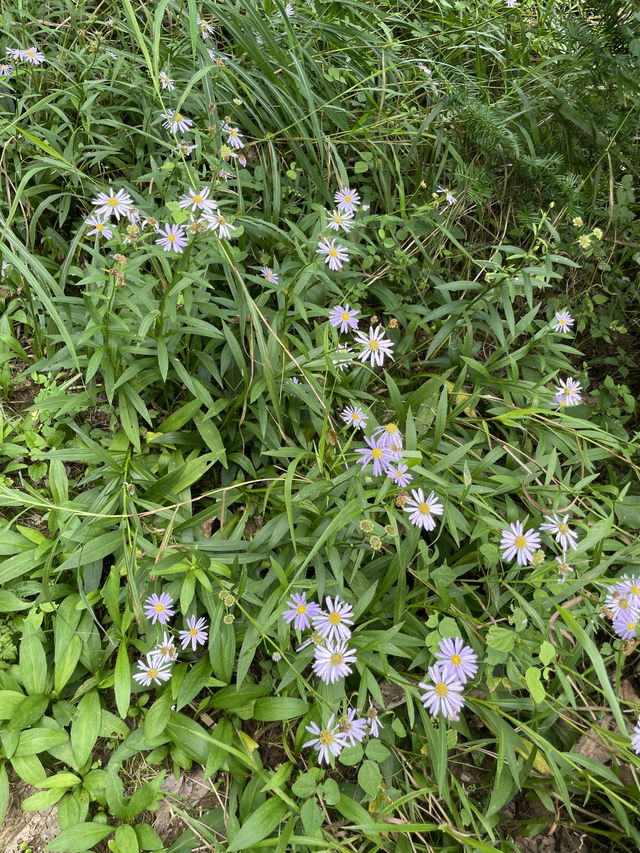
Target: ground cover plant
(319,365)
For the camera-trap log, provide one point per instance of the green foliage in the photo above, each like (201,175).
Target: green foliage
(153,439)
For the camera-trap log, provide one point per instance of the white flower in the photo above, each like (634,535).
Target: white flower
(423,509)
(516,542)
(32,55)
(451,199)
(328,742)
(119,203)
(198,200)
(334,255)
(166,649)
(561,532)
(234,138)
(184,148)
(563,568)
(340,219)
(331,661)
(166,81)
(153,669)
(205,29)
(568,392)
(354,416)
(375,346)
(347,200)
(564,321)
(175,122)
(332,625)
(353,729)
(217,222)
(99,224)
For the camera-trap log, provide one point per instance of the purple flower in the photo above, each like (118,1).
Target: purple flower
(625,626)
(154,669)
(398,473)
(196,633)
(343,317)
(328,742)
(456,659)
(158,608)
(347,200)
(331,661)
(422,510)
(300,612)
(332,625)
(379,455)
(172,239)
(444,695)
(388,435)
(353,729)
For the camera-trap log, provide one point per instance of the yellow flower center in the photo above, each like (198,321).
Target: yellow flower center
(337,219)
(347,198)
(630,626)
(197,199)
(31,53)
(376,453)
(177,117)
(456,660)
(373,345)
(624,604)
(233,132)
(335,618)
(635,590)
(336,659)
(193,632)
(221,220)
(390,429)
(563,528)
(333,253)
(521,542)
(424,508)
(99,227)
(171,237)
(326,737)
(152,673)
(567,391)
(563,402)
(441,689)
(345,316)
(562,321)
(159,608)
(113,201)
(355,416)
(398,473)
(301,608)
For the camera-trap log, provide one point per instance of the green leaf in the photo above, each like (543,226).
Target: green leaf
(304,786)
(536,688)
(547,652)
(4,791)
(148,838)
(259,825)
(86,727)
(9,602)
(64,779)
(42,800)
(78,838)
(39,740)
(126,839)
(33,661)
(501,639)
(122,680)
(157,717)
(272,708)
(369,778)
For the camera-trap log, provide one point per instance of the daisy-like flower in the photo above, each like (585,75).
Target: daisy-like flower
(33,55)
(516,542)
(354,416)
(99,224)
(343,359)
(300,611)
(153,669)
(198,200)
(635,738)
(347,200)
(444,695)
(184,148)
(625,626)
(316,639)
(425,69)
(343,316)
(196,633)
(288,10)
(217,222)
(224,175)
(335,256)
(234,137)
(569,390)
(166,649)
(340,219)
(561,532)
(374,346)
(563,568)
(328,741)
(14,53)
(333,625)
(374,722)
(166,82)
(5,69)
(175,122)
(511,4)
(422,510)
(331,661)
(398,473)
(172,239)
(353,728)
(112,55)
(270,275)
(630,588)
(456,659)
(205,28)
(621,606)
(158,608)
(449,196)
(389,435)
(375,453)
(564,321)
(119,203)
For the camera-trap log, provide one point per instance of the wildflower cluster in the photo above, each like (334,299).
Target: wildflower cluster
(622,606)
(524,545)
(456,664)
(156,666)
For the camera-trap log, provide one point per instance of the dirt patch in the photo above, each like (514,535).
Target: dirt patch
(33,828)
